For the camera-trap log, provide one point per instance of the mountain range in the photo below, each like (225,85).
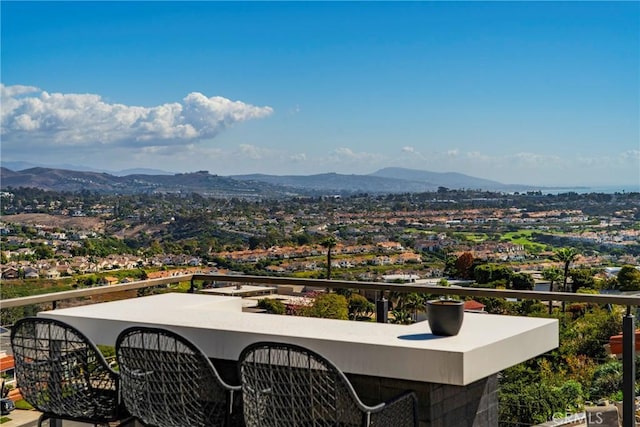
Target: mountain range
(383,181)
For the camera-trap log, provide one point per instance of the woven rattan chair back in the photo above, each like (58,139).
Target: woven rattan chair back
(167,381)
(289,385)
(61,373)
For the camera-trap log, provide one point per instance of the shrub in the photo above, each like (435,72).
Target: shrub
(360,307)
(329,306)
(272,306)
(401,316)
(629,278)
(522,282)
(23,404)
(487,273)
(606,380)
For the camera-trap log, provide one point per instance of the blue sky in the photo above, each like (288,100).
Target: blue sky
(540,93)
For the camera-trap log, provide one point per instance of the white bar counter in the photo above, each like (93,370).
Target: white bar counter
(485,345)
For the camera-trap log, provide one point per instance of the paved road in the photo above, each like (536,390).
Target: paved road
(22,418)
(5,340)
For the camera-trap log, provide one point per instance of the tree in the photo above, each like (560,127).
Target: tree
(254,242)
(607,380)
(401,316)
(413,302)
(582,278)
(328,243)
(464,265)
(522,282)
(629,278)
(44,252)
(450,269)
(329,306)
(552,274)
(88,280)
(444,282)
(360,307)
(5,389)
(272,306)
(153,249)
(302,239)
(488,273)
(565,256)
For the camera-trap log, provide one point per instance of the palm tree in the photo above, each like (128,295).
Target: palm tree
(401,316)
(328,243)
(413,303)
(566,256)
(551,274)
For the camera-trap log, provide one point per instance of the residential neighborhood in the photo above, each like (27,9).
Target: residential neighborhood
(50,236)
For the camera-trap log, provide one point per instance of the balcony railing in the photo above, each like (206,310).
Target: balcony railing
(628,324)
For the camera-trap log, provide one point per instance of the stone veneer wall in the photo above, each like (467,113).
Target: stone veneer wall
(439,405)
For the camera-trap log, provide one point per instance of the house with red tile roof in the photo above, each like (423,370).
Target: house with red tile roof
(7,367)
(473,305)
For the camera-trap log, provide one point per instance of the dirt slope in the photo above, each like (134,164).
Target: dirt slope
(63,222)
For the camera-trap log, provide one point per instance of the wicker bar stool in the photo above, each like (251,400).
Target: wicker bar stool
(167,381)
(289,385)
(62,374)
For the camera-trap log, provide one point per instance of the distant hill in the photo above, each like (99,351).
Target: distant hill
(141,171)
(338,183)
(451,180)
(387,180)
(384,181)
(198,182)
(20,166)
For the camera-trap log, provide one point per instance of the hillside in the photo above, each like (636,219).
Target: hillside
(440,179)
(384,181)
(198,182)
(86,223)
(338,183)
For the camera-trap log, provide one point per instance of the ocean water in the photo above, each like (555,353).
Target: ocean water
(608,189)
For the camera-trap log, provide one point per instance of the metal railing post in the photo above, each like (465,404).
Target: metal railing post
(382,310)
(55,353)
(628,369)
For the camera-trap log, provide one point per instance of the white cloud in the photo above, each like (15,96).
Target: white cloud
(474,155)
(299,157)
(343,153)
(453,153)
(56,119)
(15,90)
(252,151)
(409,154)
(631,155)
(629,158)
(295,110)
(534,160)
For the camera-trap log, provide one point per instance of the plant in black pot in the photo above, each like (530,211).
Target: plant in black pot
(445,316)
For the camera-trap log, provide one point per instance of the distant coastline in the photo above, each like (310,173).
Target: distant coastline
(606,189)
(384,181)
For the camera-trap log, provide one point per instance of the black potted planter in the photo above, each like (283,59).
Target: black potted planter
(445,316)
